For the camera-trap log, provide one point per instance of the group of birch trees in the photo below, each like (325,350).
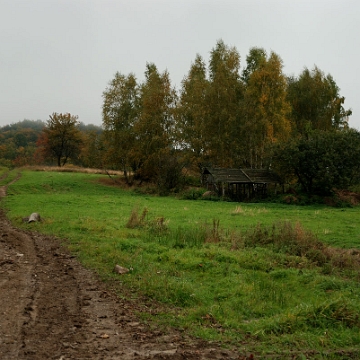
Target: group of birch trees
(223,115)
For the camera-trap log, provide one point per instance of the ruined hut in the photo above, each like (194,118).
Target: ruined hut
(239,184)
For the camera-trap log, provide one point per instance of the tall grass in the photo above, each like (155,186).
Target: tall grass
(137,220)
(221,271)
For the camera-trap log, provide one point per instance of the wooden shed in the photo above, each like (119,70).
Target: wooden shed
(239,184)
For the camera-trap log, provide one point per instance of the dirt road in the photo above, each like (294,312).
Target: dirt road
(53,308)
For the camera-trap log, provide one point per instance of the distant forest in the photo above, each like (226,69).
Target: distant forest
(18,142)
(224,115)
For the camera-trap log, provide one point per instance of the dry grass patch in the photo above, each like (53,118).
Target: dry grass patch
(136,219)
(249,212)
(213,233)
(71,168)
(157,226)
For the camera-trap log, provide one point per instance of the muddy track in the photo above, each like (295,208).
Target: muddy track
(53,308)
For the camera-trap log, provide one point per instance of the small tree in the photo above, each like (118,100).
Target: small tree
(120,112)
(60,139)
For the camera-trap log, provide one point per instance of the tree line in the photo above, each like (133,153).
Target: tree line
(224,115)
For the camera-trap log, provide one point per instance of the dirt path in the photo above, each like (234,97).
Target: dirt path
(53,308)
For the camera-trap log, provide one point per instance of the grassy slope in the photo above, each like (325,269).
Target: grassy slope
(267,300)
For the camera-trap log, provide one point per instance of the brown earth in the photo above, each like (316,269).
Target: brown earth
(53,308)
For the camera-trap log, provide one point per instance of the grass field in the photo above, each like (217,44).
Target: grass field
(220,270)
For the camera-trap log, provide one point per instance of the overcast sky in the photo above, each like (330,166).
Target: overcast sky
(59,55)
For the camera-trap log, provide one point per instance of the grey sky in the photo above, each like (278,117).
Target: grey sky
(59,55)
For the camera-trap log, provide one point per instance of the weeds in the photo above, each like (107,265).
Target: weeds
(284,235)
(158,226)
(183,238)
(344,259)
(136,220)
(330,314)
(288,238)
(295,240)
(239,210)
(214,232)
(198,236)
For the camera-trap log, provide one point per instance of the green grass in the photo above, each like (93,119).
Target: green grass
(6,176)
(218,273)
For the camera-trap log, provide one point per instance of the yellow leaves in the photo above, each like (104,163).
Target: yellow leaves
(263,99)
(266,92)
